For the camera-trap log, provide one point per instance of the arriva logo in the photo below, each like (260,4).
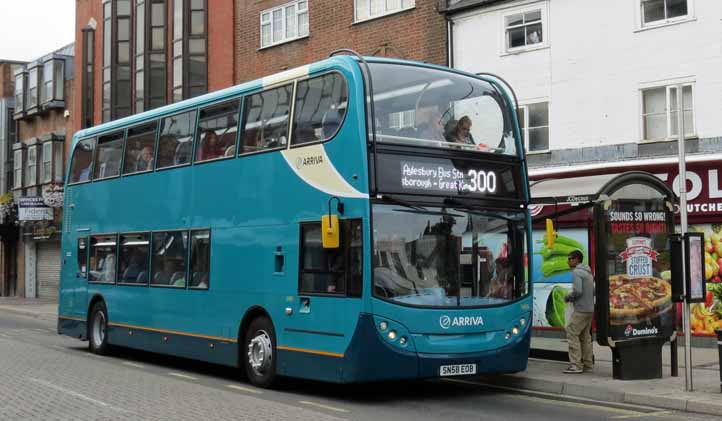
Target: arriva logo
(446,322)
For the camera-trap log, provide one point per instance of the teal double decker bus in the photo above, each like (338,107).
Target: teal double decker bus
(356,219)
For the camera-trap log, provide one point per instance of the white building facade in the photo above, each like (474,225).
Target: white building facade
(592,74)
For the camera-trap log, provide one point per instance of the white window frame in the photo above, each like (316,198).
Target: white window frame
(525,125)
(543,7)
(404,5)
(32,166)
(266,19)
(662,22)
(668,87)
(18,168)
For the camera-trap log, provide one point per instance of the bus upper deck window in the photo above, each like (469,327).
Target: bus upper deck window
(265,120)
(175,145)
(217,130)
(140,149)
(82,161)
(108,156)
(320,108)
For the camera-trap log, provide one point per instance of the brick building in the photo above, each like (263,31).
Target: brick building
(43,92)
(8,136)
(273,35)
(136,55)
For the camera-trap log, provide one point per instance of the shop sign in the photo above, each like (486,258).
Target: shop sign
(704,188)
(34,209)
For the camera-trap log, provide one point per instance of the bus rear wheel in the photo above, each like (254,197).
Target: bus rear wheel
(97,335)
(260,352)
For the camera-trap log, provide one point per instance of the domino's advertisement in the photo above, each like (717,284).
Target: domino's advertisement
(552,276)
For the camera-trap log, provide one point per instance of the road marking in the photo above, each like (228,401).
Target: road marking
(43,331)
(648,414)
(244,389)
(319,405)
(133,364)
(76,394)
(182,376)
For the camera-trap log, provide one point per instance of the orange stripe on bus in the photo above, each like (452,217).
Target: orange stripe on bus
(71,318)
(175,332)
(310,351)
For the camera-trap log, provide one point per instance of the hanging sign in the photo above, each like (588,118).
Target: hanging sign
(34,209)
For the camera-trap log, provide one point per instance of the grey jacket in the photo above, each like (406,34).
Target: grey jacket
(582,294)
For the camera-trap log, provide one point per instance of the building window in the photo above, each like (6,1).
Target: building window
(53,81)
(659,112)
(88,77)
(284,23)
(11,139)
(140,28)
(32,94)
(656,12)
(156,90)
(107,62)
(190,56)
(534,122)
(20,90)
(32,166)
(524,29)
(369,9)
(51,170)
(18,165)
(117,27)
(150,54)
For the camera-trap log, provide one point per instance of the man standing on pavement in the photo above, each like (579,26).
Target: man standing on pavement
(581,353)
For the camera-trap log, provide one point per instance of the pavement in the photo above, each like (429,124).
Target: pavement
(546,376)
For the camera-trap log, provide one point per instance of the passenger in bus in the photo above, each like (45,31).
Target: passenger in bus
(82,166)
(428,123)
(135,265)
(166,150)
(145,159)
(460,132)
(211,147)
(500,286)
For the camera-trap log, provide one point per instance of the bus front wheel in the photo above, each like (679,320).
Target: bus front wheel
(98,329)
(260,355)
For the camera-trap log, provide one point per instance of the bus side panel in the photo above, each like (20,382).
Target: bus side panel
(72,300)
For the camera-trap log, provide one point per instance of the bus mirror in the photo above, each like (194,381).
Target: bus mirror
(330,231)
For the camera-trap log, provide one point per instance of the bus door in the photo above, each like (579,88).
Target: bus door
(74,291)
(329,289)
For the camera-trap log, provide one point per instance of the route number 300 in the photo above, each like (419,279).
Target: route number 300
(481,181)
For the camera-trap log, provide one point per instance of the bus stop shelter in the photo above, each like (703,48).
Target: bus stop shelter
(629,218)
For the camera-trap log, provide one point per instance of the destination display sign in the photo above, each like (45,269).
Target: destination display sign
(447,177)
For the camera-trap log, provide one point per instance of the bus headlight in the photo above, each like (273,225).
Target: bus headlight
(514,330)
(507,336)
(522,322)
(402,341)
(392,335)
(383,325)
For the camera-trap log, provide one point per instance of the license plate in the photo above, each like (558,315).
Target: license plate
(457,370)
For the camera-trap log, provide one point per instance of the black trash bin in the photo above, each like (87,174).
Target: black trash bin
(719,351)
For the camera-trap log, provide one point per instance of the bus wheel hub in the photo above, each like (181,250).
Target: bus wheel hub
(260,352)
